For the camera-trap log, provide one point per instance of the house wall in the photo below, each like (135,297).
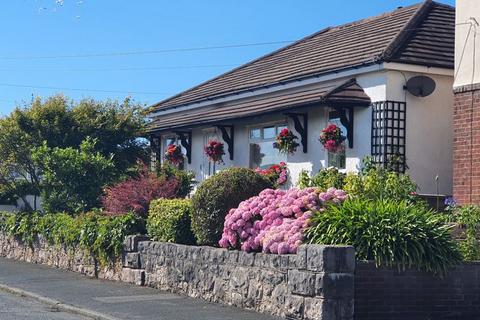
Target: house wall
(429,131)
(374,84)
(466,43)
(429,138)
(466,122)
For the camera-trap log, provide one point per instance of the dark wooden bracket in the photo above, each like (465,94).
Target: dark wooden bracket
(347,122)
(228,137)
(301,128)
(154,150)
(186,141)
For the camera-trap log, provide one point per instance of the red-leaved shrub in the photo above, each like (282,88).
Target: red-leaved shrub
(135,194)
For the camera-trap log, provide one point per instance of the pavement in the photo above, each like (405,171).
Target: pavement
(30,291)
(15,307)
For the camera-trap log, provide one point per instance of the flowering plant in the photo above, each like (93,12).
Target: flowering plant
(332,138)
(214,151)
(274,221)
(277,173)
(286,142)
(174,154)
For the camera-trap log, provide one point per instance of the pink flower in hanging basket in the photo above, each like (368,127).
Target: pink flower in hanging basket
(332,138)
(286,142)
(214,150)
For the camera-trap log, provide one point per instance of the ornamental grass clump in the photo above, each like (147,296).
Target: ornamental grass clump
(392,233)
(274,221)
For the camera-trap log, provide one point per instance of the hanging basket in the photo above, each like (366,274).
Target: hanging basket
(332,139)
(174,155)
(214,150)
(286,142)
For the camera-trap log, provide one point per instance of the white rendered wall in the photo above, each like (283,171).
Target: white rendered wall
(466,43)
(374,85)
(429,131)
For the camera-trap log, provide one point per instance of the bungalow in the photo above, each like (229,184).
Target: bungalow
(386,81)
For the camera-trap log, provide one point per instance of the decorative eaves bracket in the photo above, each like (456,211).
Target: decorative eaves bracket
(301,127)
(228,137)
(186,141)
(347,122)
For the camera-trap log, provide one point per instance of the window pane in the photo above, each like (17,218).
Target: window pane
(281,127)
(269,133)
(255,133)
(264,155)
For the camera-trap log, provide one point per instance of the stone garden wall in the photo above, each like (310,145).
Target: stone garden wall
(317,283)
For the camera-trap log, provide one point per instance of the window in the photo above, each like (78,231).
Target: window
(262,152)
(168,140)
(338,159)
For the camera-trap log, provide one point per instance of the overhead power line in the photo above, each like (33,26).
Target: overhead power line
(78,89)
(131,53)
(122,68)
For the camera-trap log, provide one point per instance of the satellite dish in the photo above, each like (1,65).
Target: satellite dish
(420,86)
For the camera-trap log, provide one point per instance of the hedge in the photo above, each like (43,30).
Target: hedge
(169,220)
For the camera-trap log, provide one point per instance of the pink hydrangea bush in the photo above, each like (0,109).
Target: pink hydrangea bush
(274,221)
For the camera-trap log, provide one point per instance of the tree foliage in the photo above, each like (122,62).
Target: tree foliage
(60,123)
(72,179)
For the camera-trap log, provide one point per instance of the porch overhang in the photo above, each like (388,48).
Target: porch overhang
(344,94)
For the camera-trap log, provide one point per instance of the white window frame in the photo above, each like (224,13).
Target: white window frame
(262,126)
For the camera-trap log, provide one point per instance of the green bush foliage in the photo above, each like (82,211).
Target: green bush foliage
(324,179)
(169,220)
(217,195)
(73,179)
(186,179)
(101,236)
(469,218)
(392,233)
(61,123)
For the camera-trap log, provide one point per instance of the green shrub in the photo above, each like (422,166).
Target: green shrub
(377,184)
(217,195)
(392,233)
(102,236)
(170,221)
(186,179)
(324,179)
(73,179)
(469,218)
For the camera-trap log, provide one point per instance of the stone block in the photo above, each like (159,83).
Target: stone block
(271,261)
(313,309)
(130,244)
(135,276)
(131,260)
(335,259)
(246,259)
(298,260)
(335,285)
(294,307)
(301,282)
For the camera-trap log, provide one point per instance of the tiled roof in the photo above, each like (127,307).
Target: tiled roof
(422,34)
(332,93)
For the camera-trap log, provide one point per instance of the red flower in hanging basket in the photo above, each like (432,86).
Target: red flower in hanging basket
(214,151)
(332,138)
(174,154)
(286,142)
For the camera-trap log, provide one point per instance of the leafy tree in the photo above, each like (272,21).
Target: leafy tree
(72,179)
(60,123)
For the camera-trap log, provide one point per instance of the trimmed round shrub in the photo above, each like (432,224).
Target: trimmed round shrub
(169,220)
(217,195)
(391,233)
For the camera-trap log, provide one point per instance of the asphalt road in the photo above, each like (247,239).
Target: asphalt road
(13,307)
(114,299)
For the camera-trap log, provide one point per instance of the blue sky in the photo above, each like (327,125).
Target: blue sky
(37,35)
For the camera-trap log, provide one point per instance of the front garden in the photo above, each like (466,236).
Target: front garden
(90,170)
